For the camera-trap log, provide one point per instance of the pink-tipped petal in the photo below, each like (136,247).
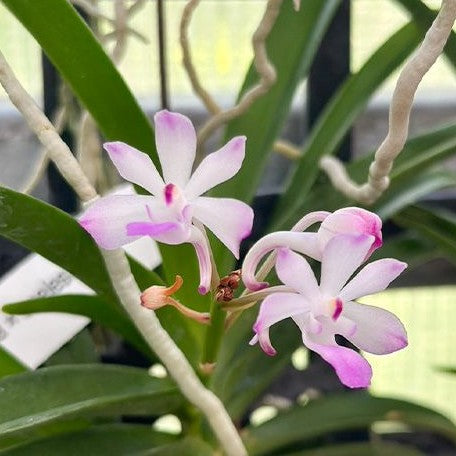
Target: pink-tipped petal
(377,330)
(293,270)
(351,220)
(229,219)
(351,368)
(106,220)
(217,167)
(374,277)
(305,243)
(265,343)
(342,255)
(175,138)
(199,242)
(277,307)
(135,166)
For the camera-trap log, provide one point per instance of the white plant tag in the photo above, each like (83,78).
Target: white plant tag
(32,339)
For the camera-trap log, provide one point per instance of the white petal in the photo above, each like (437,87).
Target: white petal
(341,257)
(201,246)
(229,219)
(107,219)
(175,138)
(275,308)
(374,277)
(217,167)
(293,270)
(377,330)
(305,243)
(135,166)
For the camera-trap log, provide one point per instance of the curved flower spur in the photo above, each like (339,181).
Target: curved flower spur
(322,311)
(176,212)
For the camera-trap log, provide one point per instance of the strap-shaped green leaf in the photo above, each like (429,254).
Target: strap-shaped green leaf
(438,226)
(93,307)
(339,115)
(419,154)
(9,365)
(31,401)
(373,448)
(340,413)
(84,65)
(102,440)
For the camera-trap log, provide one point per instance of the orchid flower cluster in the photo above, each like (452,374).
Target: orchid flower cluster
(175,212)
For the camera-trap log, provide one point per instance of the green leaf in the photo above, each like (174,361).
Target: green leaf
(32,401)
(74,50)
(55,235)
(79,350)
(404,193)
(9,365)
(361,449)
(92,307)
(424,16)
(408,247)
(439,226)
(340,413)
(264,119)
(108,439)
(339,115)
(243,372)
(419,153)
(189,446)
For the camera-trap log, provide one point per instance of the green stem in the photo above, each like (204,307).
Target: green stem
(214,333)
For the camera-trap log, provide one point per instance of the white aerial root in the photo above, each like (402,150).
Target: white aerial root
(399,115)
(120,273)
(262,65)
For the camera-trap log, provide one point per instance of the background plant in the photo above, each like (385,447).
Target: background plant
(69,418)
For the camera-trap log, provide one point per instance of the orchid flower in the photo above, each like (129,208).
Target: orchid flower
(322,311)
(349,220)
(176,213)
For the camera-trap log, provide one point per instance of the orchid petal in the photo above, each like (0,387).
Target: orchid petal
(374,277)
(107,218)
(293,270)
(229,219)
(305,243)
(175,138)
(279,306)
(341,257)
(200,243)
(135,166)
(149,229)
(275,308)
(351,220)
(377,330)
(351,368)
(217,167)
(265,342)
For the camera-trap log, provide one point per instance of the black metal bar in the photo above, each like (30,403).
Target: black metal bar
(329,70)
(161,29)
(61,194)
